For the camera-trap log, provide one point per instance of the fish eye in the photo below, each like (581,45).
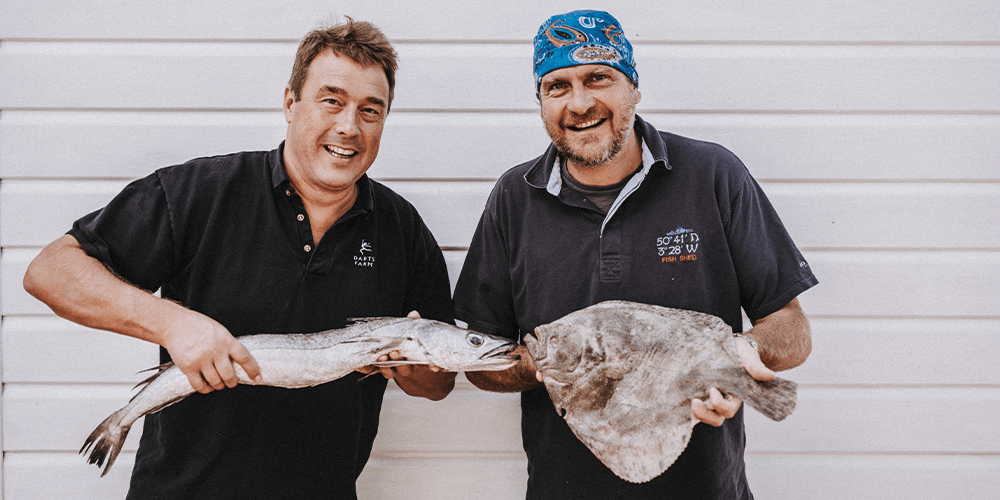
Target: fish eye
(475,339)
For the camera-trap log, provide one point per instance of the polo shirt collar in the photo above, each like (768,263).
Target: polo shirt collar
(279,178)
(544,174)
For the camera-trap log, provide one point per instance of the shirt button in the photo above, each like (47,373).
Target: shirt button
(307,248)
(288,192)
(300,217)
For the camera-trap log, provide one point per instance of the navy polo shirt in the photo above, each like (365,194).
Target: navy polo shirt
(228,236)
(690,230)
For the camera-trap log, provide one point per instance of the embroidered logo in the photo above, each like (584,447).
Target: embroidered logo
(362,260)
(590,54)
(679,245)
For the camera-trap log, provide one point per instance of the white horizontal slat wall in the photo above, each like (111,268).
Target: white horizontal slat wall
(873,126)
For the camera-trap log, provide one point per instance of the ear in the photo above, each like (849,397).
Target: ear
(287,104)
(638,96)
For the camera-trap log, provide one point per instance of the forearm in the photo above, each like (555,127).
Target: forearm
(520,378)
(784,338)
(424,383)
(79,288)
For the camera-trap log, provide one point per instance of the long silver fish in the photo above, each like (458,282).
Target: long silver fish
(304,360)
(623,374)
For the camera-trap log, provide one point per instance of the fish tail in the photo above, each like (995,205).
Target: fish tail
(107,440)
(774,398)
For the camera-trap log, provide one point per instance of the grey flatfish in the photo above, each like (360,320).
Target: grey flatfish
(623,374)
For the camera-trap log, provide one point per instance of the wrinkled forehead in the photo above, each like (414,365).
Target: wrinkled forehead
(582,72)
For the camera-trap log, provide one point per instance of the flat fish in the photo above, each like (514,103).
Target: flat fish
(305,360)
(623,374)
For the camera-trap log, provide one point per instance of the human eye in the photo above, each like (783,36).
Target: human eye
(555,88)
(601,78)
(372,114)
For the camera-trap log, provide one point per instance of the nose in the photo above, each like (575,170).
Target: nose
(580,101)
(346,122)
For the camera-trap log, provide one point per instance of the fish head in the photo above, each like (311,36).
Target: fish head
(459,349)
(565,350)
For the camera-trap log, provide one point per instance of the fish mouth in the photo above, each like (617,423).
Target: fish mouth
(500,356)
(534,344)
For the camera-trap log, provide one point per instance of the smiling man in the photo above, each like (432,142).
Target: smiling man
(293,240)
(616,209)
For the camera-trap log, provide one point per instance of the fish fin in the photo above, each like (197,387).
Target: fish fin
(400,362)
(774,398)
(159,369)
(370,319)
(379,344)
(107,440)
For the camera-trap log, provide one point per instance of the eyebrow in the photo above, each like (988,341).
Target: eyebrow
(331,89)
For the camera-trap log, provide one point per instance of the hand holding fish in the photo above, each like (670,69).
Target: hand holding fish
(519,378)
(420,380)
(719,407)
(304,360)
(205,351)
(631,379)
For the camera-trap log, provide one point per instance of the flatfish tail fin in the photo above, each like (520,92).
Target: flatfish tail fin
(775,398)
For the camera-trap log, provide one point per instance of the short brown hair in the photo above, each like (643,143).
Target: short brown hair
(361,41)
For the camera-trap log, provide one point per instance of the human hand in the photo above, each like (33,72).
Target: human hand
(717,409)
(750,359)
(402,370)
(205,351)
(720,407)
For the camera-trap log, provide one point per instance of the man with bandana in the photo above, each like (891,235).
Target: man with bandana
(615,209)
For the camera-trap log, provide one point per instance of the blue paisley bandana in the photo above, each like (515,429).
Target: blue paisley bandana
(582,37)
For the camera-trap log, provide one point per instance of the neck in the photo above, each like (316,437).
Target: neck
(615,170)
(323,207)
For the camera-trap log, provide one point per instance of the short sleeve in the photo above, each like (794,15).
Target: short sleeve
(770,269)
(132,235)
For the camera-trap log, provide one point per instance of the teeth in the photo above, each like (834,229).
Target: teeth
(584,125)
(334,150)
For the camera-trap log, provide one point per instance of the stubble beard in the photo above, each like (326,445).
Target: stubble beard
(619,138)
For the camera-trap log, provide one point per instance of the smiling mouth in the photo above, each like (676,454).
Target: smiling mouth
(340,152)
(586,125)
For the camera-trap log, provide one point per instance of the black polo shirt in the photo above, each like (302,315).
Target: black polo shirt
(229,237)
(692,232)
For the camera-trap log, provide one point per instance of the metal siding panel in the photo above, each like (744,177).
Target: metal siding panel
(886,477)
(47,349)
(846,420)
(901,352)
(896,284)
(834,79)
(47,476)
(482,145)
(478,20)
